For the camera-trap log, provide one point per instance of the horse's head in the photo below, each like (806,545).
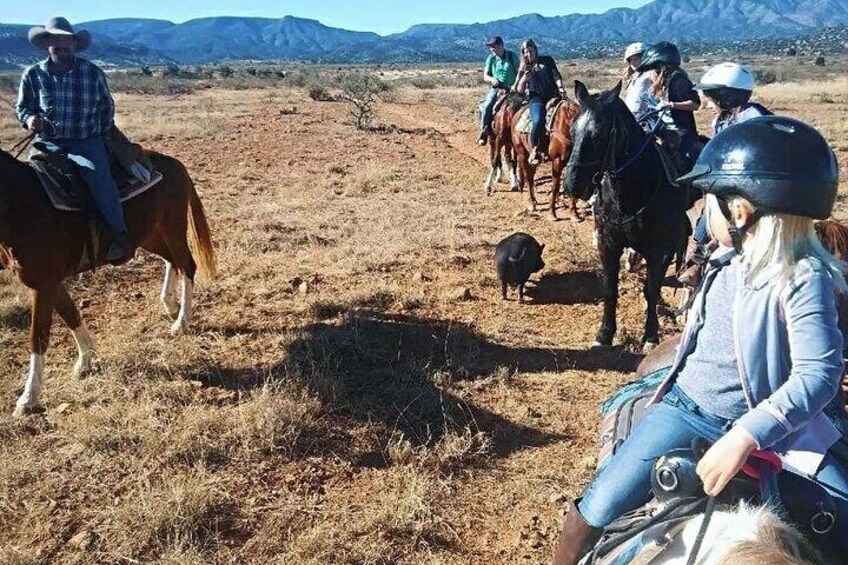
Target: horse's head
(591,134)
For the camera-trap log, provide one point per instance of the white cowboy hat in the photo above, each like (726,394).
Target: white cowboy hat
(38,35)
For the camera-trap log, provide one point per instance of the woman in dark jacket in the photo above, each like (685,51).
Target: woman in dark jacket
(540,78)
(671,85)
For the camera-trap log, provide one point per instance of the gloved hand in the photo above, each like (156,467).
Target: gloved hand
(34,123)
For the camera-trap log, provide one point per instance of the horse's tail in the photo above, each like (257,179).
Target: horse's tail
(199,239)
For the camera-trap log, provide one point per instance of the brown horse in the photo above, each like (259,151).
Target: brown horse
(42,246)
(559,149)
(500,145)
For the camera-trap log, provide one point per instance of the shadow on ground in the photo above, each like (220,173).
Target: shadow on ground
(574,287)
(397,370)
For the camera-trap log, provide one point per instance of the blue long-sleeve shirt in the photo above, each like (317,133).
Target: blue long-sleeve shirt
(78,103)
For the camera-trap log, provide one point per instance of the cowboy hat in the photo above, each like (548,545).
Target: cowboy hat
(38,35)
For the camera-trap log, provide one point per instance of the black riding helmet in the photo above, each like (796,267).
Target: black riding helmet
(727,97)
(658,55)
(779,164)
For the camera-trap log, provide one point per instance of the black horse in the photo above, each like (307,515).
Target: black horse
(636,206)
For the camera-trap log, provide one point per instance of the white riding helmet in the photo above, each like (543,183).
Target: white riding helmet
(727,75)
(634,49)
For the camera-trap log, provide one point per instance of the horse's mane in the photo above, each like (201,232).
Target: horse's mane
(752,535)
(834,237)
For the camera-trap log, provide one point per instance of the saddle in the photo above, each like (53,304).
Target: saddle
(65,188)
(525,124)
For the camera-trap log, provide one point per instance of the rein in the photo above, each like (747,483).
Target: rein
(22,145)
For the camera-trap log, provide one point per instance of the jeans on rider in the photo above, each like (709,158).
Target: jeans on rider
(93,160)
(624,484)
(537,117)
(487,107)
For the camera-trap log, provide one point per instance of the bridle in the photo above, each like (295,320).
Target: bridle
(611,173)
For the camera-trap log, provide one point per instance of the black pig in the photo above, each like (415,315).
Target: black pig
(516,258)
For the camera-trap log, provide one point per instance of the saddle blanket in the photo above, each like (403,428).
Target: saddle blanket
(66,190)
(525,124)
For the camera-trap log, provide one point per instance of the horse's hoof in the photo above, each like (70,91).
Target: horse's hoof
(23,411)
(515,188)
(598,346)
(649,346)
(179,328)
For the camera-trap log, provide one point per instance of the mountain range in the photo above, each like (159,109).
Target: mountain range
(130,41)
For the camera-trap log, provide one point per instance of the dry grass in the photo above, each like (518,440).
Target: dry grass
(341,399)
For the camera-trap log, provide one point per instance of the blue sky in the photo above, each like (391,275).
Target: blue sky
(381,16)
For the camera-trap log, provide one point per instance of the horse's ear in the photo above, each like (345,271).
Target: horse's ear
(541,248)
(581,93)
(616,91)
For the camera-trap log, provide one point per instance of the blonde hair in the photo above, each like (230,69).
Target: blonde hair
(779,239)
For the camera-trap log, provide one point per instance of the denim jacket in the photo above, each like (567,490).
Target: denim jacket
(789,355)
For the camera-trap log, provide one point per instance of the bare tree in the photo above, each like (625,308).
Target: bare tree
(361,91)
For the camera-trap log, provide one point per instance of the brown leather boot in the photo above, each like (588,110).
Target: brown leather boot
(576,539)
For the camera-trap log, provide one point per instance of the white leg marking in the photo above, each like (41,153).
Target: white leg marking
(85,345)
(498,174)
(184,317)
(487,186)
(513,179)
(169,291)
(32,389)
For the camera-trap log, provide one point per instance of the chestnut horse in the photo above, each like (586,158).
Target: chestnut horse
(500,145)
(42,246)
(559,150)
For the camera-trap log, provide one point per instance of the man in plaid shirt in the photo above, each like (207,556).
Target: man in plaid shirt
(66,100)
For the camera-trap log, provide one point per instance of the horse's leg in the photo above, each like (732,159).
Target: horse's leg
(39,337)
(531,186)
(493,163)
(556,181)
(71,316)
(184,263)
(183,320)
(611,262)
(657,266)
(168,296)
(513,164)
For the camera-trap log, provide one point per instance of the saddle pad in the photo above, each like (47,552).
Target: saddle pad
(63,190)
(525,124)
(552,112)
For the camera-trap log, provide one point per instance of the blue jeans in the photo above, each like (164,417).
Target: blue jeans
(487,107)
(93,160)
(624,484)
(537,116)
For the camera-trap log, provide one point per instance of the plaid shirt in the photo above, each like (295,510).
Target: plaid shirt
(78,102)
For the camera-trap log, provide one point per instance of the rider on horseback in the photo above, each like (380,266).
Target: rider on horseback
(727,88)
(66,100)
(499,72)
(637,85)
(761,373)
(671,85)
(542,81)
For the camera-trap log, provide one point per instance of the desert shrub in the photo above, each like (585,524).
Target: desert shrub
(225,71)
(361,91)
(145,71)
(765,76)
(819,61)
(319,93)
(791,52)
(251,71)
(171,70)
